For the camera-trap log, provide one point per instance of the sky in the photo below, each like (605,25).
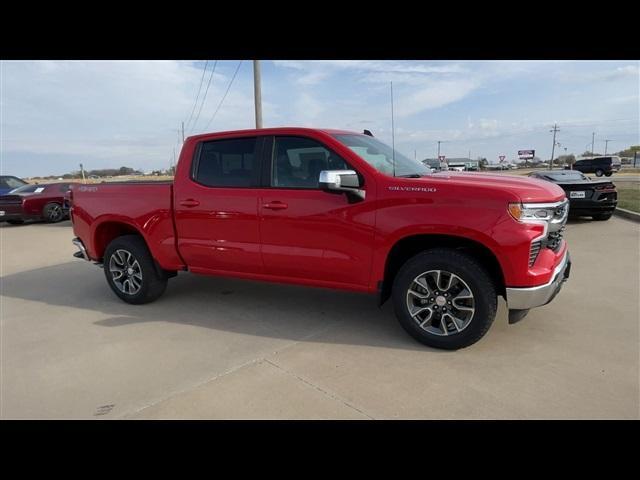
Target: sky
(55,115)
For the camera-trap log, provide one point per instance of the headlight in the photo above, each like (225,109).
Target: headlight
(531,212)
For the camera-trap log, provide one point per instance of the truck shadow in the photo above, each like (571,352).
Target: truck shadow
(232,305)
(42,223)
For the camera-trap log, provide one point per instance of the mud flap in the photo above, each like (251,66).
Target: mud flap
(517,315)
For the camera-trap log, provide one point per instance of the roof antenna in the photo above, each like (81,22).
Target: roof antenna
(393,138)
(368,132)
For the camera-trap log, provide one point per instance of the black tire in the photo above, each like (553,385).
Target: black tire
(15,222)
(52,212)
(602,216)
(608,174)
(599,172)
(153,281)
(470,272)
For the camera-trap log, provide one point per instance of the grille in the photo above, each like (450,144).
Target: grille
(533,253)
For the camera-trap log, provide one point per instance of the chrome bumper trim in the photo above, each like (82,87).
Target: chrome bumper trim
(78,243)
(531,297)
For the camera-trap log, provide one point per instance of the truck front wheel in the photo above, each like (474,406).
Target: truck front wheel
(131,272)
(444,298)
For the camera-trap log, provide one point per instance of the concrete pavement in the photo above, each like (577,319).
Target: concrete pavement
(221,348)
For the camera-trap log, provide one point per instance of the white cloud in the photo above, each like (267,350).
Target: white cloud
(115,112)
(435,94)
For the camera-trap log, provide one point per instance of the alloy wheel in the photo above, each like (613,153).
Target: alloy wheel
(55,213)
(440,302)
(125,272)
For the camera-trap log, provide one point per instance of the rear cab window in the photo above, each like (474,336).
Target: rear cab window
(226,163)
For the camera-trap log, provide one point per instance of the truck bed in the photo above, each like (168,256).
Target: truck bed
(147,206)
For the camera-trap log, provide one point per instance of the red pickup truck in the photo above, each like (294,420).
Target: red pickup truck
(336,209)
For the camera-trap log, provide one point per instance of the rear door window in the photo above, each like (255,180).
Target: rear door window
(227,163)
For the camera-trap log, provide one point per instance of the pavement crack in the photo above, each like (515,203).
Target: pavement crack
(131,413)
(320,389)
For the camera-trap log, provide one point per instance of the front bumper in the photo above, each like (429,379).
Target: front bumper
(591,207)
(531,297)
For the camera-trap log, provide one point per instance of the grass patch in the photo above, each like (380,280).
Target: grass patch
(629,197)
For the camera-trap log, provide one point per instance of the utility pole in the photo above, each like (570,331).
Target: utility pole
(393,135)
(257,92)
(606,142)
(593,139)
(439,142)
(82,172)
(182,132)
(553,148)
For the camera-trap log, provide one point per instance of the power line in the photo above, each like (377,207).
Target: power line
(198,95)
(225,95)
(195,122)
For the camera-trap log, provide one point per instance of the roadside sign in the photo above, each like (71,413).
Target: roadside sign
(501,157)
(526,153)
(441,158)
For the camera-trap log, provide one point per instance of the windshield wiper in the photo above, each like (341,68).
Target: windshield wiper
(411,175)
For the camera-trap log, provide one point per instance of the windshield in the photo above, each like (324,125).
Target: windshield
(381,156)
(35,188)
(11,182)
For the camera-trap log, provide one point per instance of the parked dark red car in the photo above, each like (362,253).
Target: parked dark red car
(36,202)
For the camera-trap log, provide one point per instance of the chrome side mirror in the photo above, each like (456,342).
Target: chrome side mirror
(346,181)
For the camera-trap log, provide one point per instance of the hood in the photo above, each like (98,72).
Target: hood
(529,190)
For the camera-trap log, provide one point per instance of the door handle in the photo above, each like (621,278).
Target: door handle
(190,202)
(275,205)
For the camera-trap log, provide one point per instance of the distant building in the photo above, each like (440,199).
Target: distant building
(466,163)
(453,164)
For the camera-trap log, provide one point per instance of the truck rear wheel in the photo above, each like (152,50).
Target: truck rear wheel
(131,271)
(444,299)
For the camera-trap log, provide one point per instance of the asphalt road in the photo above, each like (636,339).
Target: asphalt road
(220,348)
